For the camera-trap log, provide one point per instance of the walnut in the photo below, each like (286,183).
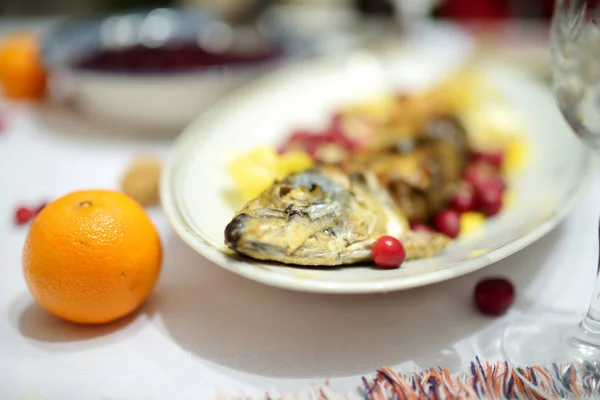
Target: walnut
(141,180)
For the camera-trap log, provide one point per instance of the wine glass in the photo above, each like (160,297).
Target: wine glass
(563,343)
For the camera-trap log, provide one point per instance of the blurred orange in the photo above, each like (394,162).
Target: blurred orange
(22,74)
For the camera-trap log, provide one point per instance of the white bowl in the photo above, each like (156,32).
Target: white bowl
(161,103)
(157,101)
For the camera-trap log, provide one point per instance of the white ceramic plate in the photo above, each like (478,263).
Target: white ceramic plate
(195,179)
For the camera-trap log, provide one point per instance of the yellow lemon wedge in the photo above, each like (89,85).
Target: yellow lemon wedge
(256,170)
(515,155)
(470,222)
(293,162)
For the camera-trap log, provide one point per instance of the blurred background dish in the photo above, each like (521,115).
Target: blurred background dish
(159,69)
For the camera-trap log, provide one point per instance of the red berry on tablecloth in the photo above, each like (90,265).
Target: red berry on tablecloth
(493,296)
(3,122)
(24,215)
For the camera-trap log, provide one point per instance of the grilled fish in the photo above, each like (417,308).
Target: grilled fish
(324,217)
(419,171)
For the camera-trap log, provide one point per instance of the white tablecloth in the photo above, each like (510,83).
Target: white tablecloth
(206,331)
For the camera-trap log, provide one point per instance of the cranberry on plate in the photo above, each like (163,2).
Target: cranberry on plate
(495,158)
(488,197)
(448,223)
(388,252)
(421,228)
(482,172)
(463,199)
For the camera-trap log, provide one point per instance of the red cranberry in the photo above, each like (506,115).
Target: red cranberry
(464,199)
(336,122)
(482,173)
(310,142)
(448,223)
(23,215)
(498,183)
(493,296)
(495,158)
(300,136)
(479,170)
(494,182)
(488,197)
(337,135)
(302,140)
(3,122)
(472,175)
(422,228)
(332,136)
(388,252)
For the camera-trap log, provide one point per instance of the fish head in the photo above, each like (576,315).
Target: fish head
(313,218)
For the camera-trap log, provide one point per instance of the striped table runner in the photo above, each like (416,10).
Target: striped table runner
(482,380)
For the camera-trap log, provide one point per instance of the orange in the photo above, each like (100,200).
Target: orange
(22,73)
(92,256)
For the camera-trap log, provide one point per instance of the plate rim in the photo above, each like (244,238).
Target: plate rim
(264,276)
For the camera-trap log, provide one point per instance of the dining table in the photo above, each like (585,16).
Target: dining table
(208,333)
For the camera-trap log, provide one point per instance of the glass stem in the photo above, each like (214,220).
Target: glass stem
(590,326)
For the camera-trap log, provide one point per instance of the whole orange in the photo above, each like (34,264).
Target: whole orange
(22,72)
(92,256)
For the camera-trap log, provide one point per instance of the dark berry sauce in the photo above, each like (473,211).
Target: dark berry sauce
(179,57)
